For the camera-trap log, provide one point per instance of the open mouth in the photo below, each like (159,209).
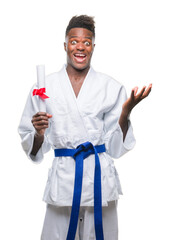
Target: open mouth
(80,57)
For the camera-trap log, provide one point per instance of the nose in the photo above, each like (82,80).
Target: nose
(80,46)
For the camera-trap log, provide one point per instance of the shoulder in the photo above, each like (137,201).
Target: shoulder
(53,79)
(52,76)
(56,76)
(113,89)
(108,82)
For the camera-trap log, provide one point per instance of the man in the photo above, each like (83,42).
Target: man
(87,124)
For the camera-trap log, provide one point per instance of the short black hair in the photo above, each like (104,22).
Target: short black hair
(82,21)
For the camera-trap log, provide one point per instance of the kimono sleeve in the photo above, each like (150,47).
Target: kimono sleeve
(115,145)
(27,131)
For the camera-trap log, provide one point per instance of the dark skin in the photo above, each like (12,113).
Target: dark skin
(40,123)
(79,46)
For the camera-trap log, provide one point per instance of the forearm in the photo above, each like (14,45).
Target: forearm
(40,123)
(38,140)
(123,122)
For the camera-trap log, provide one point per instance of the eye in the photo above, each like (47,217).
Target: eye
(87,43)
(73,42)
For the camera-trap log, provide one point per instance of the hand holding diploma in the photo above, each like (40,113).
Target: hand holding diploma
(40,119)
(40,122)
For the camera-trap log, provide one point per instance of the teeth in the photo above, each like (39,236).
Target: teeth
(79,55)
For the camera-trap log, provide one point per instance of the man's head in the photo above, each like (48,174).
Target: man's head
(79,41)
(82,21)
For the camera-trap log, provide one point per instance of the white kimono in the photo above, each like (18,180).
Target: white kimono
(93,116)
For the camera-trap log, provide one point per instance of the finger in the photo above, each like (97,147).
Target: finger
(38,128)
(37,121)
(39,114)
(135,90)
(49,115)
(39,118)
(147,91)
(141,93)
(41,123)
(42,114)
(132,94)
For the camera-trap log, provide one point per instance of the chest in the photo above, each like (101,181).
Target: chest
(76,98)
(76,85)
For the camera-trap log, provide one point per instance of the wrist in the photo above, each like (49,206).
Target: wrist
(125,114)
(38,135)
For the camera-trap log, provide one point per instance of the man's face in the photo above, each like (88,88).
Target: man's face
(79,46)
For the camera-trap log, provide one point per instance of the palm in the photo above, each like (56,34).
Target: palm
(135,98)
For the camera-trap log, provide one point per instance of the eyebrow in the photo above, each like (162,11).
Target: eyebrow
(77,37)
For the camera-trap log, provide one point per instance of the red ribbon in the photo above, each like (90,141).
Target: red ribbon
(40,92)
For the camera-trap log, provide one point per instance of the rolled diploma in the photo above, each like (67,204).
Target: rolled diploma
(41,84)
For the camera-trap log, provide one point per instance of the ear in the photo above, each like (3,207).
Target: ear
(65,46)
(94,46)
(93,42)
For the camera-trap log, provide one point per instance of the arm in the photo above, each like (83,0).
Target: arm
(27,131)
(129,104)
(40,123)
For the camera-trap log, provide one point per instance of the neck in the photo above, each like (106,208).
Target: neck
(75,73)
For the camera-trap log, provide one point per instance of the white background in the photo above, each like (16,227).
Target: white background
(133,46)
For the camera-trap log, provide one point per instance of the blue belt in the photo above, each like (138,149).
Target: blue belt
(79,154)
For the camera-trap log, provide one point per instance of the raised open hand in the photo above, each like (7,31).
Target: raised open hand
(135,98)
